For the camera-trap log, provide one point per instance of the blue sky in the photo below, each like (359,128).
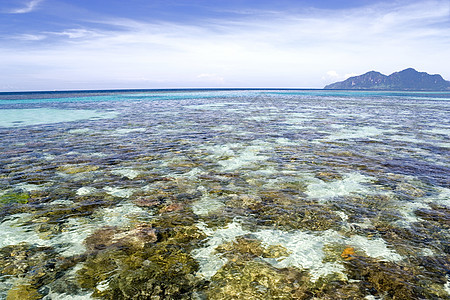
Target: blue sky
(89,44)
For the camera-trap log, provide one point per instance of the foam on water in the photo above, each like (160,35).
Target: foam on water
(39,116)
(352,183)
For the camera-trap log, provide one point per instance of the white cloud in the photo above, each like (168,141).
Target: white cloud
(31,37)
(77,33)
(28,7)
(290,50)
(333,74)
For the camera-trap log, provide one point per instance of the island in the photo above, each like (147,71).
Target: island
(408,79)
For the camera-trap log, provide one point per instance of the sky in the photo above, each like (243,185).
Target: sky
(140,44)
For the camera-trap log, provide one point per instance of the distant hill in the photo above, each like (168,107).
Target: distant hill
(408,79)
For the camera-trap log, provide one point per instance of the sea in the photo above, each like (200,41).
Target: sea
(225,194)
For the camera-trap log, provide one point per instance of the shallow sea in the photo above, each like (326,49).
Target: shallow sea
(234,194)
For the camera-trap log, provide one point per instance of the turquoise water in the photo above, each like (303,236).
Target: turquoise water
(231,194)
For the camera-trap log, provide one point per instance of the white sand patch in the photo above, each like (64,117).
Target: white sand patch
(306,249)
(260,118)
(206,205)
(12,232)
(122,131)
(356,133)
(126,172)
(246,157)
(352,183)
(86,190)
(407,210)
(49,157)
(192,174)
(404,138)
(57,296)
(118,192)
(427,252)
(80,131)
(78,229)
(443,131)
(295,118)
(61,202)
(70,242)
(376,248)
(210,262)
(97,154)
(447,285)
(215,106)
(285,142)
(28,187)
(121,215)
(443,198)
(218,151)
(224,128)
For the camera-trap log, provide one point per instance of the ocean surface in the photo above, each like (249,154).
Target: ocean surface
(225,194)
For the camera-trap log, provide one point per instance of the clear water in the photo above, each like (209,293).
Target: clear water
(224,194)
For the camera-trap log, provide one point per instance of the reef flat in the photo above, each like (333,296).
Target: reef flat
(258,194)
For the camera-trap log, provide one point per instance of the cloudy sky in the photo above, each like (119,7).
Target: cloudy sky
(116,44)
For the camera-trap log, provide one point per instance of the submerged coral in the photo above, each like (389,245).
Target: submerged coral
(258,280)
(144,262)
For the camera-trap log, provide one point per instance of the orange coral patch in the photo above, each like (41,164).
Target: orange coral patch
(348,253)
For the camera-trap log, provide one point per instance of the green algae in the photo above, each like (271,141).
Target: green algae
(23,292)
(155,261)
(163,270)
(14,198)
(75,169)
